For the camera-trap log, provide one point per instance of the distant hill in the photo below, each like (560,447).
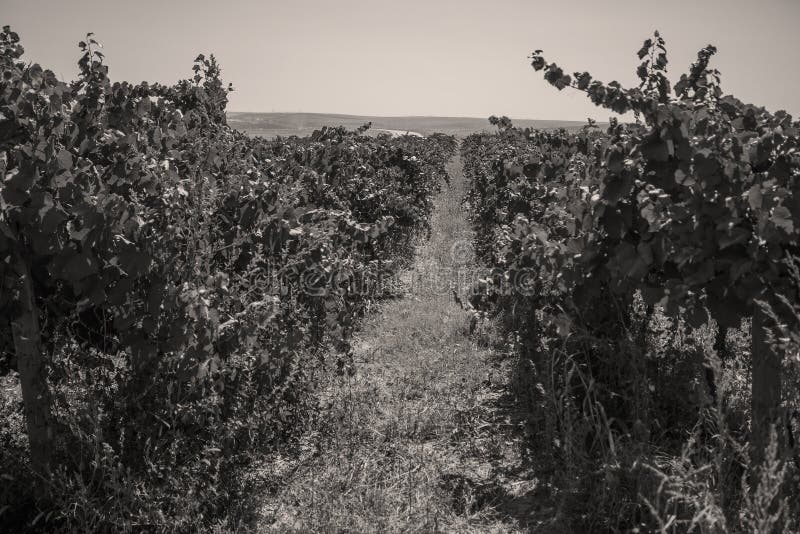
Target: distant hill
(301,124)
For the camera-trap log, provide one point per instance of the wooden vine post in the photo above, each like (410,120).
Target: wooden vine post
(766,388)
(32,368)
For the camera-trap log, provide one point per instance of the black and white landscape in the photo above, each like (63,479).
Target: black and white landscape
(523,267)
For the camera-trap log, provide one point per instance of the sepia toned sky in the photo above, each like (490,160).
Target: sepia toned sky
(418,57)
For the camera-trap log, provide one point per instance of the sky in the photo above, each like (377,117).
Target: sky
(418,57)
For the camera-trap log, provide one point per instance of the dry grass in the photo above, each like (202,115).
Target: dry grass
(421,438)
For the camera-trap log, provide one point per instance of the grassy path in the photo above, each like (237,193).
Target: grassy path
(422,438)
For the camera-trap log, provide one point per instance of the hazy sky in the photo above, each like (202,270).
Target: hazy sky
(418,57)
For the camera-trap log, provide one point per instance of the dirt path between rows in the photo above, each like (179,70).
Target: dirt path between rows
(424,436)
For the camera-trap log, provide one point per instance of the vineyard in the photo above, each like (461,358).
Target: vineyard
(171,286)
(647,277)
(176,296)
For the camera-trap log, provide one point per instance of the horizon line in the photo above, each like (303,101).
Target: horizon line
(402,116)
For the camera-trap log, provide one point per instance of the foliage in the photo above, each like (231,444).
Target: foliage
(188,280)
(599,241)
(703,193)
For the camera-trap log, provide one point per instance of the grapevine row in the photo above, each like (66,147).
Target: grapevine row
(170,286)
(690,213)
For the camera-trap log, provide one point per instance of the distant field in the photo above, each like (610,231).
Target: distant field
(301,124)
